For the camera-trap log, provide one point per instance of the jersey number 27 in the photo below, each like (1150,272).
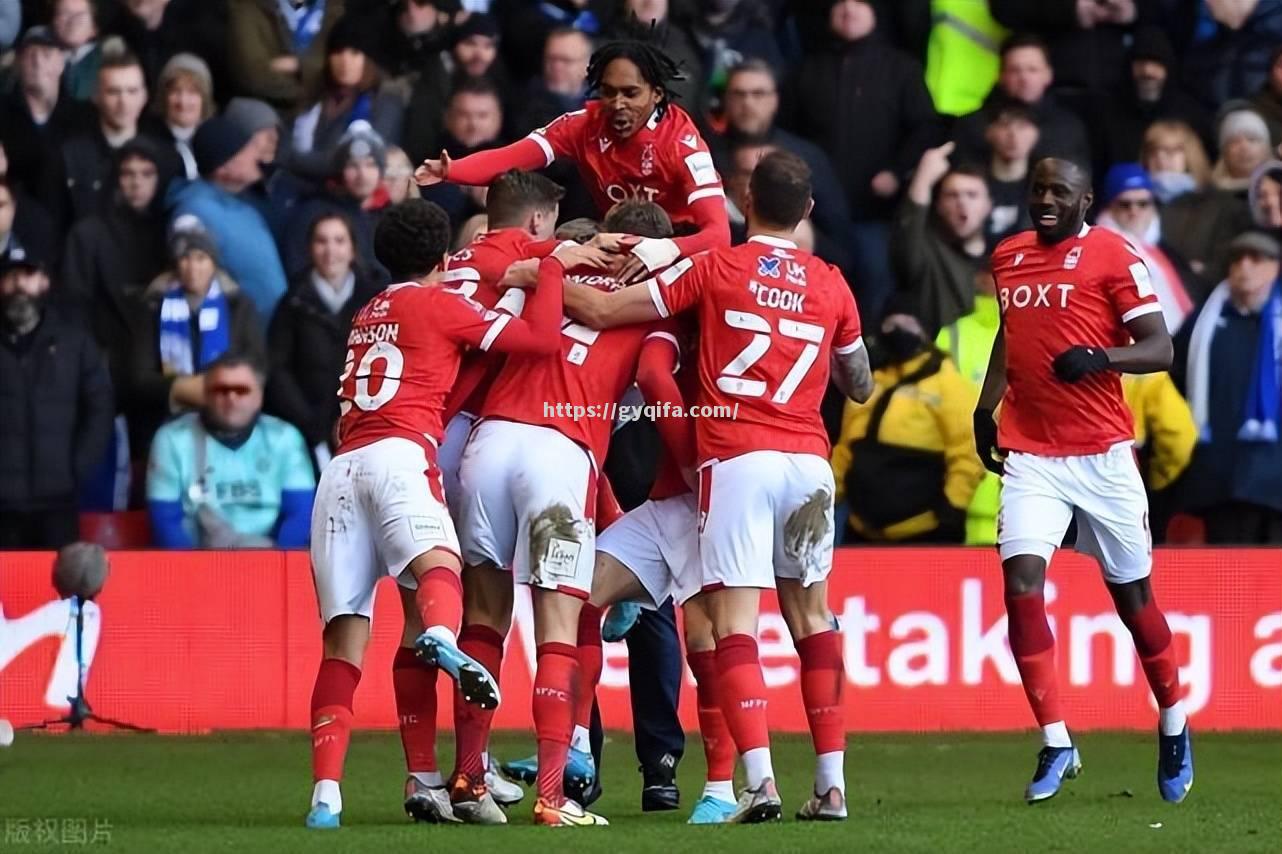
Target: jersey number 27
(731,380)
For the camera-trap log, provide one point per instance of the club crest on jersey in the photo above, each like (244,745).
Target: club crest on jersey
(604,143)
(796,274)
(768,267)
(1072,258)
(647,159)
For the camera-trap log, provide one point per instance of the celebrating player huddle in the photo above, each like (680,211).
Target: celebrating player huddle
(455,478)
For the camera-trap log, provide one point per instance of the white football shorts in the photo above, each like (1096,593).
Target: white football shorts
(527,501)
(451,455)
(377,508)
(1104,492)
(765,515)
(659,543)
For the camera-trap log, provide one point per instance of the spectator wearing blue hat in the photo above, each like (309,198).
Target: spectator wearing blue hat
(1129,207)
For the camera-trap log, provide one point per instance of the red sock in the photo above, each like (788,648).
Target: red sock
(554,715)
(743,691)
(822,677)
(472,723)
(589,658)
(1033,646)
(718,746)
(1157,654)
(440,598)
(336,682)
(414,685)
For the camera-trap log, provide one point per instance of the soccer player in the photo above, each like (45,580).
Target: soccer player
(528,479)
(772,319)
(1077,309)
(630,142)
(379,506)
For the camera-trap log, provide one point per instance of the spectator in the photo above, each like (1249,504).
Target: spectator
(278,190)
(729,32)
(1130,209)
(1026,75)
(308,335)
(356,192)
(562,87)
(1086,38)
(26,231)
(158,30)
(751,106)
(1268,101)
(55,411)
(474,53)
(78,181)
(276,49)
(112,256)
(968,342)
(526,26)
(1012,137)
(1151,93)
(915,432)
(1165,437)
(1229,47)
(228,476)
(1198,220)
(938,240)
(75,24)
(962,56)
(352,90)
(1266,197)
(186,99)
(473,119)
(193,313)
(228,161)
(866,104)
(411,34)
(35,119)
(1244,146)
(398,177)
(1227,363)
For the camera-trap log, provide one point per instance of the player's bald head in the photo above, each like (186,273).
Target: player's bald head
(1063,171)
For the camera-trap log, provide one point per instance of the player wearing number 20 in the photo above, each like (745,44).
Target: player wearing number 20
(1077,309)
(380,508)
(773,321)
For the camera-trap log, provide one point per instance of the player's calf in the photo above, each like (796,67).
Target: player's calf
(331,715)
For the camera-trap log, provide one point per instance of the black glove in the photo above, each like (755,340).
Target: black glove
(986,440)
(1077,362)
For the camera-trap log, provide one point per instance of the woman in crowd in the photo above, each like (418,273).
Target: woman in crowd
(186,99)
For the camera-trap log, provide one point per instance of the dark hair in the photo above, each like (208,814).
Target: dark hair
(476,86)
(411,238)
(642,218)
(118,56)
(515,193)
(656,67)
(754,65)
(963,170)
(780,187)
(326,217)
(1022,40)
(580,230)
(237,359)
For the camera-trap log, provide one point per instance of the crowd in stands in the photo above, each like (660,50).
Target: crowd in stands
(189,189)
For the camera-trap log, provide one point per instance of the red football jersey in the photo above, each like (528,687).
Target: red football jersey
(403,353)
(1080,291)
(575,391)
(475,271)
(666,162)
(770,317)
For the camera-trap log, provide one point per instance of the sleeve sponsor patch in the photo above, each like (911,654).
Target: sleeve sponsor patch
(701,168)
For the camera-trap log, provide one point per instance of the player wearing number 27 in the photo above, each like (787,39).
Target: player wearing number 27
(380,508)
(1077,309)
(773,322)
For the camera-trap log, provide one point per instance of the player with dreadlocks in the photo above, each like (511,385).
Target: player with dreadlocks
(630,142)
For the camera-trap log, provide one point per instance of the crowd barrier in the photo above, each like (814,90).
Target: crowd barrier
(199,641)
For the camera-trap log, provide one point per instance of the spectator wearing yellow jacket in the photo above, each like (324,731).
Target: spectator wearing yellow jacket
(905,462)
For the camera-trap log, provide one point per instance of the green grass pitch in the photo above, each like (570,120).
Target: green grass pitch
(929,793)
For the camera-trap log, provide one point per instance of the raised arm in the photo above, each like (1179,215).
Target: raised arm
(483,167)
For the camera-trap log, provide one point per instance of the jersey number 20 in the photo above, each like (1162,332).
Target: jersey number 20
(731,380)
(383,361)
